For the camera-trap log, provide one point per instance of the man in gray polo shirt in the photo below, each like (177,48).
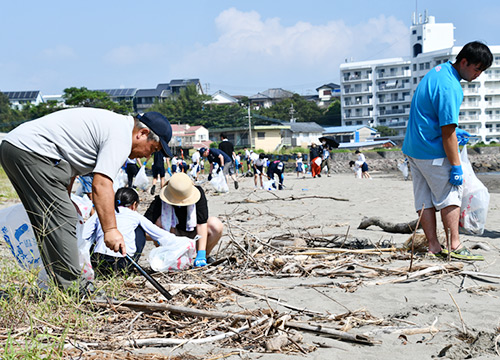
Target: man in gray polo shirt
(42,158)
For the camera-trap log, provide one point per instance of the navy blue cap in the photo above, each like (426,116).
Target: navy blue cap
(202,150)
(158,124)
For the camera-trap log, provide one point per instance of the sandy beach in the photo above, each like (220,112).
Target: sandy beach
(436,313)
(448,302)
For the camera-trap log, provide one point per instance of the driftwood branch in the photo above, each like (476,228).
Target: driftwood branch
(142,306)
(400,228)
(341,335)
(210,339)
(290,198)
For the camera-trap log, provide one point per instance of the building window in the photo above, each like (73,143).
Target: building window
(427,65)
(261,135)
(419,37)
(414,80)
(414,67)
(421,66)
(348,123)
(414,32)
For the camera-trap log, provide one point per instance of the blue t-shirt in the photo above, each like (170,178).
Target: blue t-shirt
(436,103)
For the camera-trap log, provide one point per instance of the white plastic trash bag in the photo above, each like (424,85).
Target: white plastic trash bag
(120,180)
(219,182)
(475,199)
(84,252)
(175,254)
(84,204)
(268,185)
(141,180)
(403,167)
(17,232)
(317,161)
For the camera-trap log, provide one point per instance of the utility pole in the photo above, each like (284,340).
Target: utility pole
(292,112)
(249,127)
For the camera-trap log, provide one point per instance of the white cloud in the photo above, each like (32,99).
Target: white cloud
(251,47)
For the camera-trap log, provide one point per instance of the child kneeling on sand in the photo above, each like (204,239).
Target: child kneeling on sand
(131,225)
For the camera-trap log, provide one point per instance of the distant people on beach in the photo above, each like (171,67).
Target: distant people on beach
(315,160)
(325,157)
(259,161)
(276,168)
(364,165)
(299,166)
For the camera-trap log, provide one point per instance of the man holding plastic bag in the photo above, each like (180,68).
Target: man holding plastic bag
(217,159)
(42,158)
(431,144)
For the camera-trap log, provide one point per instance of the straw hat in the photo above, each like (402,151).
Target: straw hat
(180,191)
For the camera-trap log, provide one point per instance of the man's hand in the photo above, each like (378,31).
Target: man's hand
(456,175)
(209,176)
(114,240)
(219,169)
(462,136)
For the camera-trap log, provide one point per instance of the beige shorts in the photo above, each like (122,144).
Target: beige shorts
(431,185)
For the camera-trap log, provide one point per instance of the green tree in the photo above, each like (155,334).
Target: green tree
(386,131)
(190,107)
(304,111)
(84,97)
(9,118)
(30,111)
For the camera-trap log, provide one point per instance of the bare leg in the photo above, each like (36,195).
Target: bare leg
(428,223)
(450,216)
(215,228)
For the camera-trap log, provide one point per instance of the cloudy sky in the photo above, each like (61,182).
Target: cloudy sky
(241,47)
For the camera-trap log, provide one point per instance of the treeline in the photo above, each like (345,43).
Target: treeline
(188,107)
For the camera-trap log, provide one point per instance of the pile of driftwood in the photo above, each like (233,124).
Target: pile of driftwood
(142,318)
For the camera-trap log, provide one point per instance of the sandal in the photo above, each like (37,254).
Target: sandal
(463,253)
(438,255)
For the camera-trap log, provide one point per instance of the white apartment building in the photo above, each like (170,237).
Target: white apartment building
(379,92)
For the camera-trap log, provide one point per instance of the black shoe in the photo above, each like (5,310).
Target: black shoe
(236,186)
(319,175)
(153,189)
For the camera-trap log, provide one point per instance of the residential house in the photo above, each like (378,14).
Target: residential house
(145,98)
(118,95)
(222,98)
(351,134)
(186,136)
(301,133)
(327,94)
(18,99)
(268,98)
(264,137)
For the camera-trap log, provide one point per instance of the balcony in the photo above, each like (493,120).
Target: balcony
(353,78)
(472,104)
(394,112)
(358,115)
(491,103)
(366,89)
(399,99)
(395,87)
(395,74)
(358,103)
(470,90)
(468,118)
(492,90)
